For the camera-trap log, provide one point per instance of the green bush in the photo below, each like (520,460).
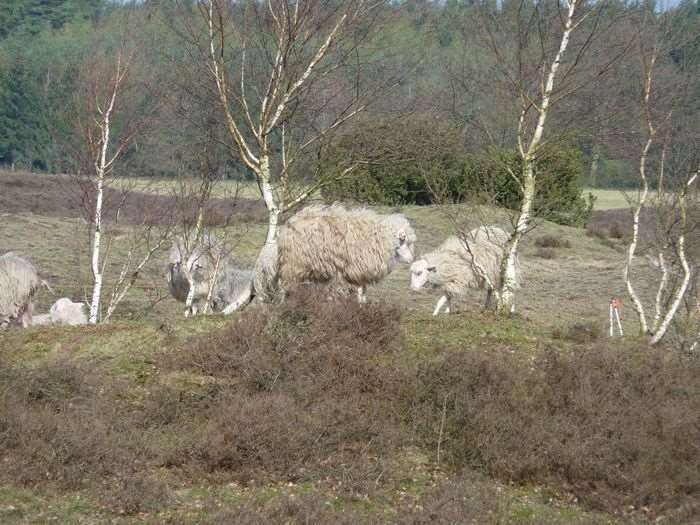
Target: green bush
(435,176)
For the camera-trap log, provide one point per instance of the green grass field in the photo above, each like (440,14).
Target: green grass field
(614,199)
(569,286)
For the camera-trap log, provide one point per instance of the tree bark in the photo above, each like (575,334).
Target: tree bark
(506,301)
(96,244)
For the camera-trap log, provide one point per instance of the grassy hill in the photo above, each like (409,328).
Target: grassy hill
(317,412)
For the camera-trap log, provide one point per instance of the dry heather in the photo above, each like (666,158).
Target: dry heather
(298,393)
(616,426)
(64,197)
(304,392)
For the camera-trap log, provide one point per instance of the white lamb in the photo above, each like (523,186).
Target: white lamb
(460,264)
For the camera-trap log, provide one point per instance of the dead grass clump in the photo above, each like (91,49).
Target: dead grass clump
(597,231)
(585,332)
(135,493)
(546,253)
(290,509)
(62,423)
(302,386)
(616,231)
(552,241)
(615,425)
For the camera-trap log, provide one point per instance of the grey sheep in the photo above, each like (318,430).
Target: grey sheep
(460,264)
(334,244)
(19,281)
(195,265)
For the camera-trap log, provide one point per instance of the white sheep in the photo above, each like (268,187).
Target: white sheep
(202,272)
(460,264)
(19,281)
(265,286)
(66,312)
(334,244)
(63,312)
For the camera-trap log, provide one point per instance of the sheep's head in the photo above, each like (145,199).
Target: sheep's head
(198,265)
(402,237)
(420,273)
(405,243)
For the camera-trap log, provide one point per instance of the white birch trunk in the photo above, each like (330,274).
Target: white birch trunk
(97,234)
(273,208)
(506,297)
(631,249)
(680,292)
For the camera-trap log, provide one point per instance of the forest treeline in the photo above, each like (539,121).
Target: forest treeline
(433,101)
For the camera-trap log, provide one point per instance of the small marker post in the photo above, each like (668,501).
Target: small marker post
(615,306)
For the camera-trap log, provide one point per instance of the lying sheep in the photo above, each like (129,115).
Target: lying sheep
(326,244)
(19,281)
(203,273)
(66,312)
(458,265)
(63,312)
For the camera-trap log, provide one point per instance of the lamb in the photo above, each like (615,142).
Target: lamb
(454,268)
(63,312)
(66,312)
(19,281)
(200,263)
(333,244)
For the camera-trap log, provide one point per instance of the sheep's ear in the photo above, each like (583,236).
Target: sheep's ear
(432,269)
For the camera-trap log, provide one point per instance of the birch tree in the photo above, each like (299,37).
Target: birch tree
(286,76)
(540,57)
(669,162)
(109,111)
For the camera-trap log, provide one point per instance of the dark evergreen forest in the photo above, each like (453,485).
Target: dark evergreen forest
(436,85)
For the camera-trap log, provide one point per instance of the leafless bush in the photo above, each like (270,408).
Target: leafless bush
(546,253)
(579,332)
(616,425)
(295,383)
(552,241)
(135,493)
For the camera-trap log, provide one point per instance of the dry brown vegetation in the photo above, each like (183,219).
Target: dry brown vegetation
(68,197)
(615,424)
(309,392)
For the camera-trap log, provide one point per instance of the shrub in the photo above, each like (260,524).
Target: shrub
(614,424)
(296,383)
(439,172)
(579,332)
(597,231)
(292,392)
(546,253)
(616,231)
(551,241)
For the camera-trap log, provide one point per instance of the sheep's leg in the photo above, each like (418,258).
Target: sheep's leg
(489,295)
(448,308)
(243,298)
(441,302)
(361,294)
(26,317)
